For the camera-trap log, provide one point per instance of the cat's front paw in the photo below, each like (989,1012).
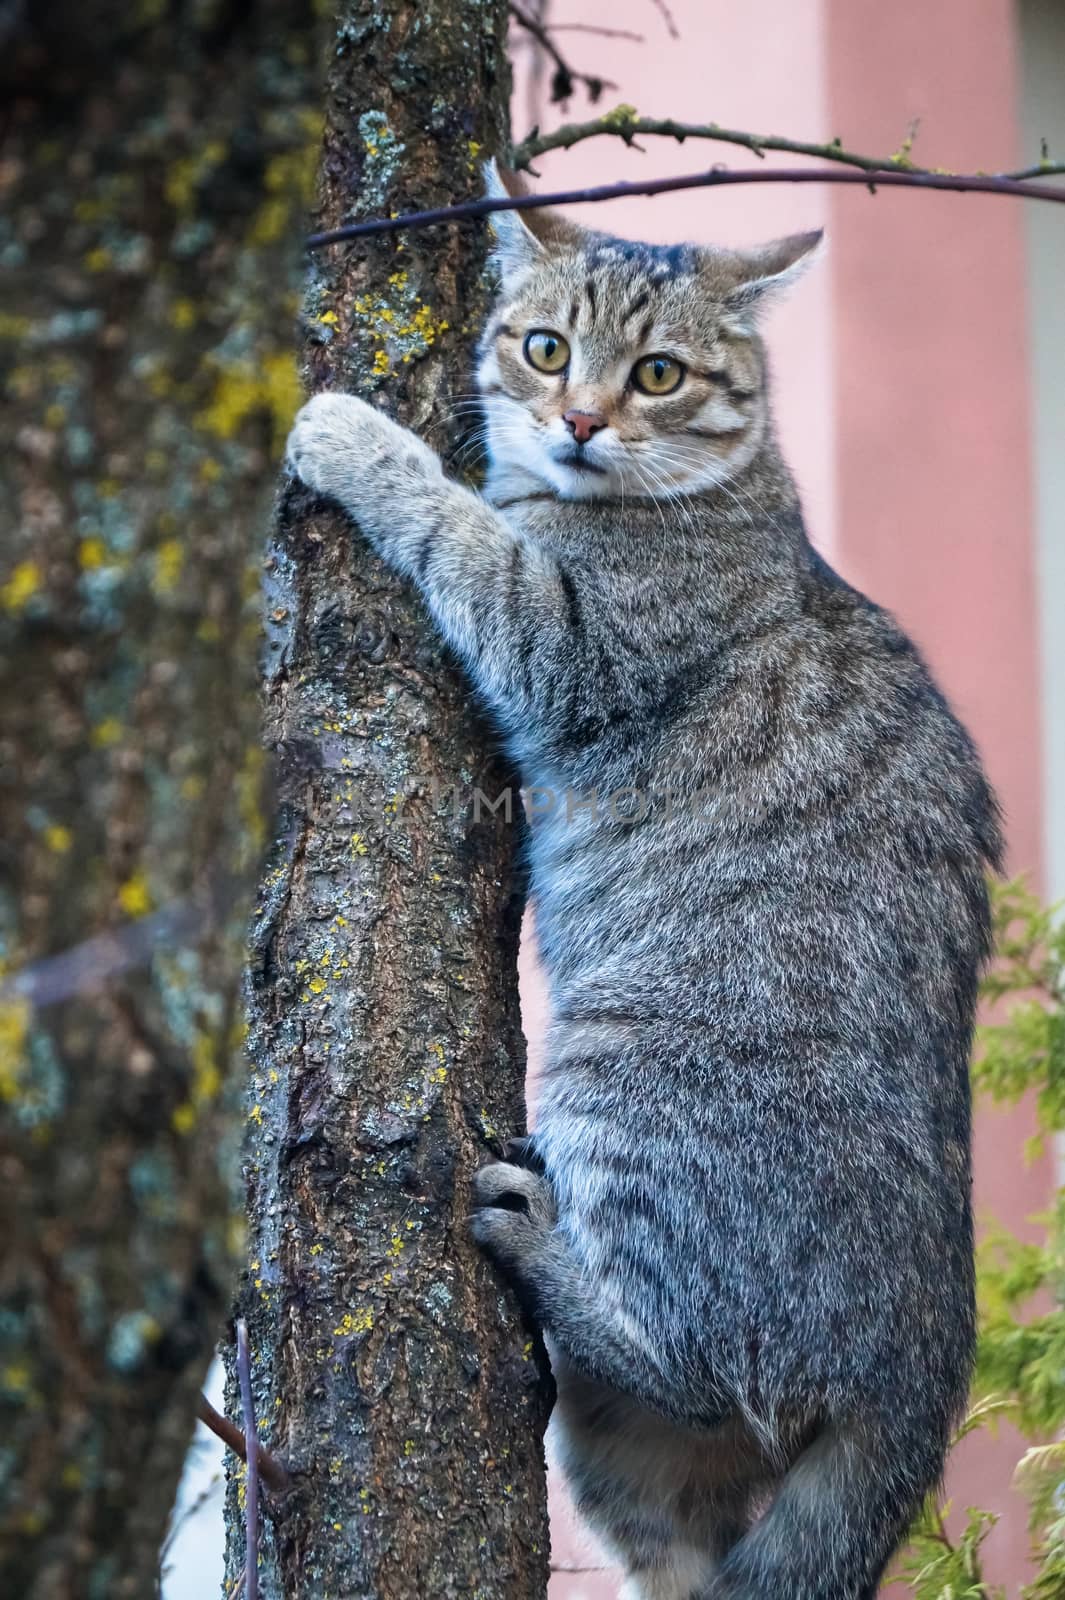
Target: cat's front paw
(344,448)
(514,1212)
(326,433)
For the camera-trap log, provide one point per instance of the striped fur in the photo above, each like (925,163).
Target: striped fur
(743,1220)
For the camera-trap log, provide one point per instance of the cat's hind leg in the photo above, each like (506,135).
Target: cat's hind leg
(670,1503)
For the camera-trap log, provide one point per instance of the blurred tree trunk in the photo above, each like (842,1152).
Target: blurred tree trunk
(151,207)
(392,1372)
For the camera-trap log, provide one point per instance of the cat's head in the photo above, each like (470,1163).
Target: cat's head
(615,368)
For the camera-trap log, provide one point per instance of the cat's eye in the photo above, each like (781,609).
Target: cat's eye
(547,352)
(657,374)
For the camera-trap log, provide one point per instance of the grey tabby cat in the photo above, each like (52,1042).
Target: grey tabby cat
(744,1218)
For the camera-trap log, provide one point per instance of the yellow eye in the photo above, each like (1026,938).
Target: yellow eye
(547,352)
(657,374)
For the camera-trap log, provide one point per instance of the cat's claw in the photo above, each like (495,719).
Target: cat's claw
(513,1210)
(523,1151)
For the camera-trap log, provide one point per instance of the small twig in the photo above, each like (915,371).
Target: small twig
(1039,169)
(593,27)
(564,77)
(667,17)
(717,177)
(941,1530)
(251,1438)
(271,1471)
(624,123)
(87,966)
(191,1510)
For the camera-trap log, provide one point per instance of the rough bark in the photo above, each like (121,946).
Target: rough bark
(152,210)
(392,1372)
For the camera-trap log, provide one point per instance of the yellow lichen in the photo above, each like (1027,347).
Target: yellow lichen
(92,553)
(169,560)
(15,1377)
(182,315)
(186,175)
(183,1118)
(23,584)
(134,896)
(58,839)
(620,117)
(206,1078)
(106,733)
(360,1321)
(289,182)
(14,1027)
(242,391)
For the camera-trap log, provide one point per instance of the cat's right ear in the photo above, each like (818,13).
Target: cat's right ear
(515,247)
(523,239)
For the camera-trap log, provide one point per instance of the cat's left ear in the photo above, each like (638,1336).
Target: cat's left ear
(759,275)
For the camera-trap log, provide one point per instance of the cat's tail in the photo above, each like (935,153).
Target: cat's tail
(836,1519)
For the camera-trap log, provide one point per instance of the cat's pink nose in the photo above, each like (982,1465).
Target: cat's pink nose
(582,424)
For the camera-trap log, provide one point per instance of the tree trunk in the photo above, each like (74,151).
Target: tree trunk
(153,202)
(392,1371)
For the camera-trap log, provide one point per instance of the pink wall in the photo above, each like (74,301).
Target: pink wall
(902,392)
(934,491)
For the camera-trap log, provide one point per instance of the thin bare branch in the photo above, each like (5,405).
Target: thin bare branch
(717,177)
(251,1437)
(594,27)
(270,1468)
(667,17)
(88,966)
(564,78)
(624,123)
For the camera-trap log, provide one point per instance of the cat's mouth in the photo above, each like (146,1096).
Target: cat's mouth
(578,462)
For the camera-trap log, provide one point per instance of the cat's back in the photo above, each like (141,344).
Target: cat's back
(810,788)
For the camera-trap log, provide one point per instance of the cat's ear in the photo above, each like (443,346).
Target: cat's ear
(757,276)
(523,238)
